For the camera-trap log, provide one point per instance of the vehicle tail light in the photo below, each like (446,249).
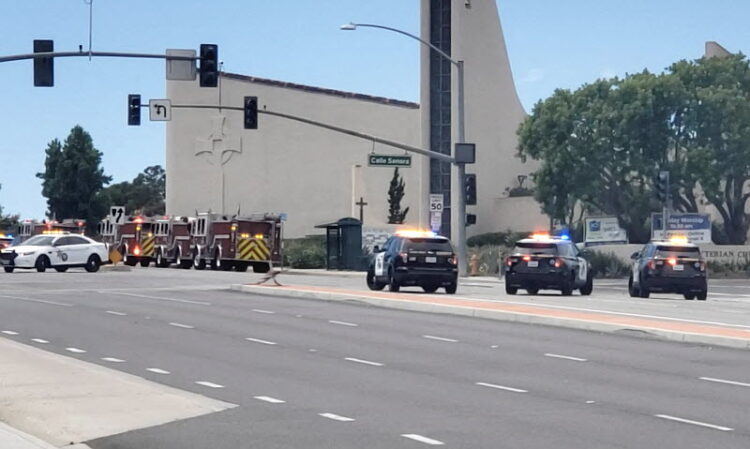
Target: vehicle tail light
(651,264)
(526,258)
(137,250)
(700,266)
(672,261)
(453,259)
(404,256)
(558,263)
(510,261)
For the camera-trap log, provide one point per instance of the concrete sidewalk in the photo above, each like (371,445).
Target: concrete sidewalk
(676,329)
(11,438)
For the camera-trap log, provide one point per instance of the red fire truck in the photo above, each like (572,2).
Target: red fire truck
(29,228)
(137,241)
(238,242)
(173,242)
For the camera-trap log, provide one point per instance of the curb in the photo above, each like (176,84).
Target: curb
(116,268)
(11,437)
(501,315)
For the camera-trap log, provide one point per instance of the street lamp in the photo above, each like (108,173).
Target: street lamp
(461,206)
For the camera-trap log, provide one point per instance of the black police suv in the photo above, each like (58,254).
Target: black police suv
(669,267)
(414,258)
(544,262)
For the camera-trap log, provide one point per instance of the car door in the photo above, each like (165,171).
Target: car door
(79,249)
(60,254)
(639,262)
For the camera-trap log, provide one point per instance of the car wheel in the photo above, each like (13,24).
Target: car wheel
(42,263)
(509,289)
(451,288)
(643,290)
(145,263)
(702,295)
(8,269)
(431,288)
(532,291)
(393,284)
(689,296)
(93,264)
(61,269)
(587,288)
(372,283)
(631,288)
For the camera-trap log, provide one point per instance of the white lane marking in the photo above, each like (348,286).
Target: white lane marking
(343,323)
(364,362)
(695,423)
(269,399)
(336,417)
(39,340)
(258,340)
(268,312)
(501,387)
(76,350)
(161,298)
(184,326)
(22,298)
(10,332)
(432,337)
(209,384)
(566,357)
(112,312)
(113,360)
(158,370)
(422,439)
(724,381)
(591,402)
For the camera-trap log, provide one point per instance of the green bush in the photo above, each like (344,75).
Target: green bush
(725,269)
(307,252)
(607,265)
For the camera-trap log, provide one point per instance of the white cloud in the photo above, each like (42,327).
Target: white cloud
(532,76)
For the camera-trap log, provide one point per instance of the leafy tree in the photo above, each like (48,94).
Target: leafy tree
(73,178)
(395,195)
(144,195)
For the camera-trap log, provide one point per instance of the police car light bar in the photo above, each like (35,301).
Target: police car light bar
(411,233)
(678,239)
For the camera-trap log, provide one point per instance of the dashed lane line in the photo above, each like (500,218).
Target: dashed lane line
(364,362)
(75,350)
(258,340)
(422,439)
(336,417)
(269,399)
(112,312)
(158,370)
(565,357)
(724,381)
(501,387)
(40,340)
(695,423)
(42,301)
(113,360)
(267,312)
(433,337)
(183,326)
(209,384)
(343,323)
(10,332)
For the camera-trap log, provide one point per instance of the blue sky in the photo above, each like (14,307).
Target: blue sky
(551,44)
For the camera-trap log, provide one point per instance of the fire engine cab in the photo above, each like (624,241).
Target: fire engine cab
(173,242)
(137,241)
(31,228)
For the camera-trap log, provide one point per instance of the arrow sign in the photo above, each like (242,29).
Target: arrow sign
(117,215)
(160,110)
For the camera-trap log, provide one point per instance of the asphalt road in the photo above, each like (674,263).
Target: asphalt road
(319,374)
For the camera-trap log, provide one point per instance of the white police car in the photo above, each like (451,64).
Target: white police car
(55,250)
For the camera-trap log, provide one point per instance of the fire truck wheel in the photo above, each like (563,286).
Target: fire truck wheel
(42,263)
(93,264)
(198,263)
(216,262)
(145,263)
(261,268)
(241,267)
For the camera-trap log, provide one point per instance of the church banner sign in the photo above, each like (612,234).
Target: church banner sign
(696,227)
(385,160)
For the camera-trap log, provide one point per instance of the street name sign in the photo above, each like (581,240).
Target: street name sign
(385,160)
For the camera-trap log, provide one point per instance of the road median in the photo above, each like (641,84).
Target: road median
(673,329)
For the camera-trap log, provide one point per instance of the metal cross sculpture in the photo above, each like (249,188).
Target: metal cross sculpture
(219,148)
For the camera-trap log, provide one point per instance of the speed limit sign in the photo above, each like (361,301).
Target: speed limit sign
(436,202)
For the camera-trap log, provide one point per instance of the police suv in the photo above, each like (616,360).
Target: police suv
(414,258)
(544,262)
(673,266)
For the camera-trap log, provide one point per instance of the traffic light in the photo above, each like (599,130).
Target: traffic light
(471,219)
(134,110)
(662,186)
(251,112)
(44,68)
(209,76)
(470,187)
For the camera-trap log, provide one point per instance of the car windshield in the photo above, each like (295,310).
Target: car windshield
(424,244)
(691,252)
(39,240)
(535,248)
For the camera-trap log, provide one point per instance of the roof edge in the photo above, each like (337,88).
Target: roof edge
(321,90)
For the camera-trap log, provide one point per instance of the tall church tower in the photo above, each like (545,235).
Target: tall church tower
(470,31)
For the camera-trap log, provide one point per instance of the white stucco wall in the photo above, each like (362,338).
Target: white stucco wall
(286,166)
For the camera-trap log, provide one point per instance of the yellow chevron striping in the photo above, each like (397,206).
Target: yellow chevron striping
(147,246)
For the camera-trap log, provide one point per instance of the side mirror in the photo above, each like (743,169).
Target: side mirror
(584,253)
(376,249)
(635,255)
